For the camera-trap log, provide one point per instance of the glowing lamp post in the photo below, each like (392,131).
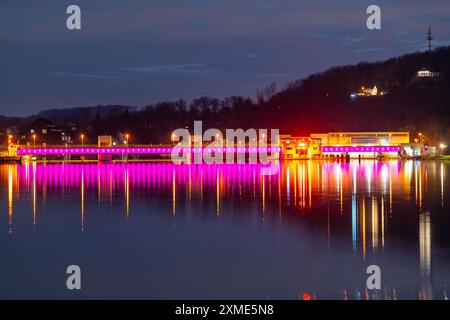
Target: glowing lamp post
(34,141)
(82,145)
(443,147)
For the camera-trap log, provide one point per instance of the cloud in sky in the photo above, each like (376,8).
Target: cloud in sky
(79,75)
(139,52)
(188,68)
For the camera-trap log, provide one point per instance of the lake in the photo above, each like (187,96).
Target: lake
(166,231)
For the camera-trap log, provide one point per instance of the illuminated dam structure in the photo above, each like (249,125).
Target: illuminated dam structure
(139,150)
(360,149)
(164,150)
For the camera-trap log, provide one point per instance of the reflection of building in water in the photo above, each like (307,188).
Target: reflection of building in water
(10,197)
(127,193)
(425,255)
(34,194)
(313,191)
(354,211)
(442,184)
(362,190)
(82,199)
(374,224)
(363,227)
(120,180)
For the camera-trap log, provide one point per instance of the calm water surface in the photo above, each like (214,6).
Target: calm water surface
(162,231)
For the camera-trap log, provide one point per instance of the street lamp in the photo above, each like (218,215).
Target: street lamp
(82,145)
(219,139)
(443,147)
(34,141)
(127,137)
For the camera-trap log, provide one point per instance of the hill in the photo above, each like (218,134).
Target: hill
(322,102)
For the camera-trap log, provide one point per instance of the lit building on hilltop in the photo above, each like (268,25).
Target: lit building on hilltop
(427,74)
(368,92)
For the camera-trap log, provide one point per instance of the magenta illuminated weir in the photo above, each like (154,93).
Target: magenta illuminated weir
(151,150)
(360,149)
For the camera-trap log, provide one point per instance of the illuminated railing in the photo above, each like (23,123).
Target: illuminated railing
(360,149)
(141,150)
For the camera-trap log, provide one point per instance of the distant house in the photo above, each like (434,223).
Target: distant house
(66,138)
(12,131)
(368,92)
(424,73)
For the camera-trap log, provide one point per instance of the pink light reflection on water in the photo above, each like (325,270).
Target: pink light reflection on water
(147,175)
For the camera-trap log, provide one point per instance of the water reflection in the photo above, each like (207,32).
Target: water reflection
(442,184)
(373,206)
(425,256)
(10,197)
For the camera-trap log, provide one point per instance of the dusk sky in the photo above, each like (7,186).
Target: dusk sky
(141,52)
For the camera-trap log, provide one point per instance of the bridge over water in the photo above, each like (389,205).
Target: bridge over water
(144,152)
(138,150)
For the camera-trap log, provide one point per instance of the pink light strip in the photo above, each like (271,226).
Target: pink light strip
(352,149)
(152,150)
